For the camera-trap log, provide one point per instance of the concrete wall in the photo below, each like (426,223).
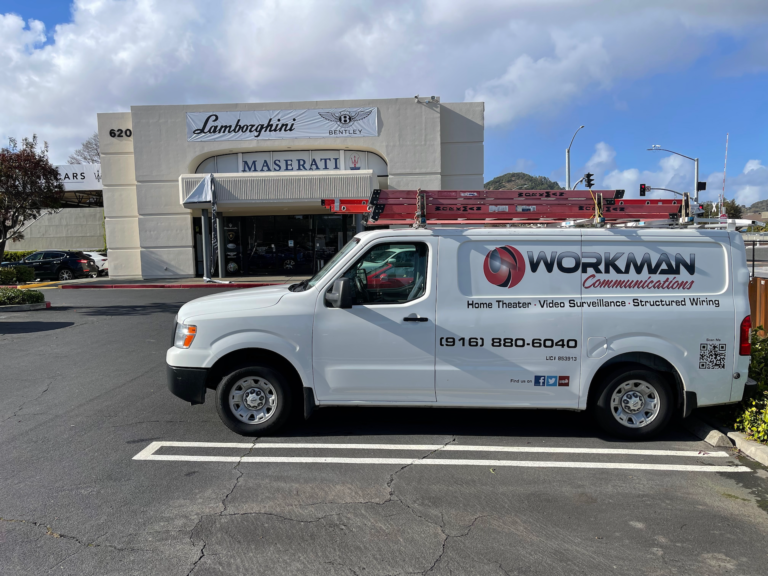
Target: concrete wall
(121,215)
(462,157)
(149,232)
(69,229)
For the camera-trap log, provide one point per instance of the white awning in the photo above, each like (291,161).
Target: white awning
(286,192)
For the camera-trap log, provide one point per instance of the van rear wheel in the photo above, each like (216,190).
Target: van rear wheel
(635,404)
(254,400)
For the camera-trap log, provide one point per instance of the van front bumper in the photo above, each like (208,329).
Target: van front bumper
(187,383)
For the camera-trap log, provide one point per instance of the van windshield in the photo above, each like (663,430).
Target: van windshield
(332,262)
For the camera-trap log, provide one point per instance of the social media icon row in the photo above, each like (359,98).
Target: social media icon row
(551,380)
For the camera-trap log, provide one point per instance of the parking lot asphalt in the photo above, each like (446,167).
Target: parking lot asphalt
(91,481)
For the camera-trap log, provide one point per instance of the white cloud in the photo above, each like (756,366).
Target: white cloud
(530,85)
(676,173)
(747,188)
(522,57)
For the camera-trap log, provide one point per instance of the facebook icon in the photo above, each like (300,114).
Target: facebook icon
(539,380)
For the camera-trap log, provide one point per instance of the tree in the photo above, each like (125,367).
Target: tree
(710,210)
(29,184)
(732,209)
(88,153)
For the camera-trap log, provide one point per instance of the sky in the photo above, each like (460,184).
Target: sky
(678,73)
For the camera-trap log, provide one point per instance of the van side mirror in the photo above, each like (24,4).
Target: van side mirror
(341,294)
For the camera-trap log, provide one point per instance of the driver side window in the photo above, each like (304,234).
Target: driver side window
(390,273)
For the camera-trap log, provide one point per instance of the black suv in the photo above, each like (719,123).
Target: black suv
(58,264)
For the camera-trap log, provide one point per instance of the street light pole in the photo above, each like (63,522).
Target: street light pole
(651,188)
(695,169)
(696,180)
(568,160)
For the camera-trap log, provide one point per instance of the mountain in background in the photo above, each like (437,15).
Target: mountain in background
(521,181)
(759,206)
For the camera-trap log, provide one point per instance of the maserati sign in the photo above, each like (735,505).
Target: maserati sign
(282,124)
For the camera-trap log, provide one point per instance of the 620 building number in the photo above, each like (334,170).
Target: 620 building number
(119,133)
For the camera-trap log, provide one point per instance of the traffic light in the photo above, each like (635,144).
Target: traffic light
(588,180)
(642,189)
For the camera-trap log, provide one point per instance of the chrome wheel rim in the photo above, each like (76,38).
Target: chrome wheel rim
(253,400)
(65,275)
(635,403)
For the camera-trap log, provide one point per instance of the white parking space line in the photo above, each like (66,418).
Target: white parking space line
(431,447)
(149,454)
(450,462)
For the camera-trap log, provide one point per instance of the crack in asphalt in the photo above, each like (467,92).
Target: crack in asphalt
(455,537)
(49,532)
(391,481)
(201,554)
(392,497)
(21,406)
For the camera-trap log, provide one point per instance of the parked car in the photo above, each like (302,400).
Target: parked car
(58,265)
(100,258)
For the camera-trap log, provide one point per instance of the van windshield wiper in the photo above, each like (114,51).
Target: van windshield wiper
(299,287)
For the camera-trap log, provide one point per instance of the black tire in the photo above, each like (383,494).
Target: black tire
(65,274)
(610,415)
(283,400)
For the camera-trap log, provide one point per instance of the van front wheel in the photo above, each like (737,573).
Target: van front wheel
(635,404)
(253,401)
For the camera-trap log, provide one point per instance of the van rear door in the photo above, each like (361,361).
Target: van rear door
(508,319)
(666,293)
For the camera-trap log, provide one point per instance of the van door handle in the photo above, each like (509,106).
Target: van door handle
(415,319)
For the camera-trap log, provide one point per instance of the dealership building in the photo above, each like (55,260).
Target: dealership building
(271,164)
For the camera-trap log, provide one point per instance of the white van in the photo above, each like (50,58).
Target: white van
(636,325)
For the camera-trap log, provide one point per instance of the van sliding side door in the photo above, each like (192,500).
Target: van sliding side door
(509,319)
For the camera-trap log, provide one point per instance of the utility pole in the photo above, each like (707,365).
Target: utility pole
(568,160)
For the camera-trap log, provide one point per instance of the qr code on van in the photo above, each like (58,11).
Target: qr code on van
(711,356)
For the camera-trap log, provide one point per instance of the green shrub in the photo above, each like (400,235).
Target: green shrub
(16,256)
(24,274)
(7,276)
(751,416)
(16,275)
(13,296)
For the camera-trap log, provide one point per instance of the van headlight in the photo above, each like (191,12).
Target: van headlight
(185,334)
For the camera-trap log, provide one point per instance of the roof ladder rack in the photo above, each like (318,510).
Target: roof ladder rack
(539,208)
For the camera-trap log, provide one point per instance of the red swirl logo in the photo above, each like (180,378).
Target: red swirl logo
(504,266)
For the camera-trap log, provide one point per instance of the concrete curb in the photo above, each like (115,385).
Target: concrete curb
(709,434)
(164,286)
(26,286)
(25,307)
(751,448)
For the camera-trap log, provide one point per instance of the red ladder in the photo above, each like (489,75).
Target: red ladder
(478,207)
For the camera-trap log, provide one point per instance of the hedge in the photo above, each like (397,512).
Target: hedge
(13,296)
(18,255)
(751,415)
(16,275)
